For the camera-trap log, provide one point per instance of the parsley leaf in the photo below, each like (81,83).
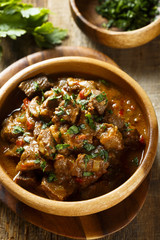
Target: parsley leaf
(89,147)
(51,177)
(87,174)
(17,19)
(20,150)
(43,165)
(101,97)
(90,121)
(136,161)
(128,14)
(18,130)
(62,146)
(73,130)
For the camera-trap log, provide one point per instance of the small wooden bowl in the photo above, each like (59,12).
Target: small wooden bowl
(90,23)
(117,201)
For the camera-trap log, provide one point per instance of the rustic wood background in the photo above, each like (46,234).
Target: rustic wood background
(143,64)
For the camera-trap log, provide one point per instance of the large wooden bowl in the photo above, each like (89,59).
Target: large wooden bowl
(120,199)
(90,23)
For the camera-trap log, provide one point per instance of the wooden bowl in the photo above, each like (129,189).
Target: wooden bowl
(115,201)
(90,23)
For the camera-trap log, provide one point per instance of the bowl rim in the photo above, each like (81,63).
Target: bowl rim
(118,34)
(103,202)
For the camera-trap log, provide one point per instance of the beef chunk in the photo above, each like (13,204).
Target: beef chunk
(55,191)
(98,101)
(56,132)
(37,129)
(12,127)
(26,180)
(88,170)
(48,106)
(64,185)
(46,143)
(31,159)
(34,85)
(34,107)
(63,165)
(75,141)
(131,138)
(110,137)
(77,84)
(67,113)
(115,120)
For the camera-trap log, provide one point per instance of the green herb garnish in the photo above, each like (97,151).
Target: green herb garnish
(136,161)
(89,147)
(17,19)
(45,125)
(54,97)
(83,103)
(67,99)
(43,165)
(20,150)
(87,174)
(128,14)
(62,146)
(60,111)
(101,97)
(104,155)
(37,161)
(73,130)
(36,86)
(90,121)
(18,130)
(51,177)
(57,90)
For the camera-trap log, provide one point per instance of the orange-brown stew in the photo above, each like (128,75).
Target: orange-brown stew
(73,139)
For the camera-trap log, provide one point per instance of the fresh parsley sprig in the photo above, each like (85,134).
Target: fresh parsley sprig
(17,19)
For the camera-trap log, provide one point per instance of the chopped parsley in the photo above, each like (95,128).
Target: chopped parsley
(60,111)
(89,147)
(110,111)
(62,146)
(128,14)
(127,127)
(101,97)
(54,97)
(51,177)
(104,155)
(83,103)
(73,130)
(37,161)
(45,125)
(90,121)
(67,99)
(136,161)
(43,165)
(57,90)
(104,82)
(82,126)
(18,130)
(20,150)
(36,86)
(87,174)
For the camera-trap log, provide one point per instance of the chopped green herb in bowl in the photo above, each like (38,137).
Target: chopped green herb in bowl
(127,14)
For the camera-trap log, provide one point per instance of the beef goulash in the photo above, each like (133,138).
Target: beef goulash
(72,139)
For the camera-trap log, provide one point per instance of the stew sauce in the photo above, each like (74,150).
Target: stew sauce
(73,139)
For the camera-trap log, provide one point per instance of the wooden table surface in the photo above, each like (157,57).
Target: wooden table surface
(143,64)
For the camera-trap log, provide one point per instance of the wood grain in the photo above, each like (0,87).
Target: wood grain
(143,64)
